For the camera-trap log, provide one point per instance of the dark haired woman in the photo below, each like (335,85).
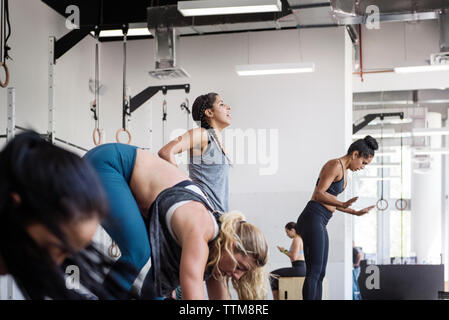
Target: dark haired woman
(311,224)
(209,163)
(51,203)
(296,255)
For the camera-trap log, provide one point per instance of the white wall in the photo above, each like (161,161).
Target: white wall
(310,112)
(398,45)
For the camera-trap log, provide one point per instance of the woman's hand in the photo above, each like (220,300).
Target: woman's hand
(281,249)
(363,211)
(349,202)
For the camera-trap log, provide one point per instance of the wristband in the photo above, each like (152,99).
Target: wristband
(285,251)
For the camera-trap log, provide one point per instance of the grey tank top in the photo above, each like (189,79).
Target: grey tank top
(210,172)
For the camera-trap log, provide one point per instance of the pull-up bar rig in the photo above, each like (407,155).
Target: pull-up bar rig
(68,41)
(370,117)
(12,127)
(11,99)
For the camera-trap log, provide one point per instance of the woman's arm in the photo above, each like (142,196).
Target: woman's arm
(294,250)
(195,139)
(290,253)
(193,227)
(216,289)
(330,172)
(355,212)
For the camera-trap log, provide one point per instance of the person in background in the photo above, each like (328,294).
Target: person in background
(357,256)
(296,255)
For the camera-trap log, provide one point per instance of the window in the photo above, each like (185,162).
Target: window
(400,235)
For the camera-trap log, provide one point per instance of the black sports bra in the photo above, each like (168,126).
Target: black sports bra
(336,187)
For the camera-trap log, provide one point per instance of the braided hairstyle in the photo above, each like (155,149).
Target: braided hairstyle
(201,104)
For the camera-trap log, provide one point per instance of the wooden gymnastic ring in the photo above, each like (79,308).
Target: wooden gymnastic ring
(401,208)
(123,130)
(379,202)
(5,84)
(114,250)
(97,132)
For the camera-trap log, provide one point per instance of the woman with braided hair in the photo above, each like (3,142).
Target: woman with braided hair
(209,164)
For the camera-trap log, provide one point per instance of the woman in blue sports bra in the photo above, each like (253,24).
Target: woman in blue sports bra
(296,255)
(311,224)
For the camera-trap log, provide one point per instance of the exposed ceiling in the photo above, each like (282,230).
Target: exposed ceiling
(295,14)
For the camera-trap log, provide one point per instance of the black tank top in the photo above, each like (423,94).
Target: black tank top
(165,251)
(336,187)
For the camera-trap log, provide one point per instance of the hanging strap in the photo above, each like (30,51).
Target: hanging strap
(382,204)
(95,108)
(401,204)
(164,120)
(4,48)
(125,101)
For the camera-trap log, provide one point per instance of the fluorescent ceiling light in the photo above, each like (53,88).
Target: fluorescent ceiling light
(139,32)
(279,68)
(424,132)
(384,135)
(215,7)
(379,178)
(428,68)
(383,154)
(421,171)
(391,121)
(385,165)
(424,152)
(119,32)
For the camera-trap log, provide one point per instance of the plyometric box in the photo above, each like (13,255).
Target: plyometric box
(290,288)
(401,282)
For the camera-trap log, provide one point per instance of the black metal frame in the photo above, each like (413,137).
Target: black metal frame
(147,94)
(370,117)
(68,41)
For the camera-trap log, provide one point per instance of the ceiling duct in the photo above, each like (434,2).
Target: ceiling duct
(166,42)
(356,12)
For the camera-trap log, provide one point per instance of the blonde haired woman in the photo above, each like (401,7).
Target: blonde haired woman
(160,218)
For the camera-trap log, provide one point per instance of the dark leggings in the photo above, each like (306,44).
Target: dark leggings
(298,269)
(311,226)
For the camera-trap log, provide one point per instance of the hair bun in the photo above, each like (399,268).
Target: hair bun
(371,143)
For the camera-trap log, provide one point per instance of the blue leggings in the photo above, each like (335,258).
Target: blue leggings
(311,226)
(114,164)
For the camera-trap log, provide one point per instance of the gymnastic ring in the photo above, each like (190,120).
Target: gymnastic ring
(123,130)
(114,250)
(95,134)
(379,202)
(5,84)
(401,207)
